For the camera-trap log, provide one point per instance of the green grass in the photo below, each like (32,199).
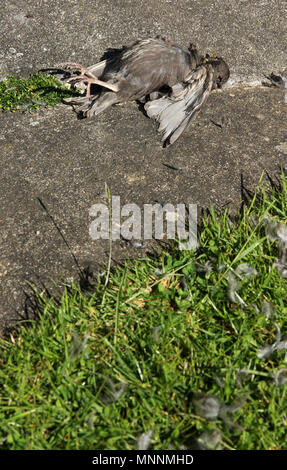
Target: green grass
(171,346)
(18,94)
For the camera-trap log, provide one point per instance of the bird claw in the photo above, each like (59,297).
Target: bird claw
(85,77)
(73,66)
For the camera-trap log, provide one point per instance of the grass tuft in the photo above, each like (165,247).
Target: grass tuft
(18,94)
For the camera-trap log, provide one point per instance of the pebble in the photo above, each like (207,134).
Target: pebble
(282,147)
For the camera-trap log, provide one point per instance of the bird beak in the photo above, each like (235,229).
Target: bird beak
(219,82)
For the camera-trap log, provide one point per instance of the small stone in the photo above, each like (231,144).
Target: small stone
(33,123)
(282,147)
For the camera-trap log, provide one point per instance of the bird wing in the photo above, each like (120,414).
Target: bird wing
(98,69)
(175,112)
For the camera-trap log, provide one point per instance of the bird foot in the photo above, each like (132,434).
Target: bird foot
(86,77)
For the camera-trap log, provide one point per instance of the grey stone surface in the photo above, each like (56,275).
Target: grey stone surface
(50,156)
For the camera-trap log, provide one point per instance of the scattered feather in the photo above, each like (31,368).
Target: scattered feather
(156,334)
(233,287)
(206,267)
(246,270)
(270,228)
(114,391)
(220,381)
(227,410)
(281,268)
(279,81)
(159,272)
(265,352)
(210,440)
(138,244)
(282,232)
(267,309)
(243,271)
(257,310)
(211,408)
(280,344)
(183,283)
(143,441)
(77,346)
(280,378)
(207,406)
(241,373)
(139,371)
(229,222)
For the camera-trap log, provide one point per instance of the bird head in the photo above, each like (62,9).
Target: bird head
(221,71)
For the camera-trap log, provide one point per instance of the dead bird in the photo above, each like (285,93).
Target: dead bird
(173,81)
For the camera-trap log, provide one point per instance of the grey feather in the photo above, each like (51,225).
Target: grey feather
(175,112)
(98,69)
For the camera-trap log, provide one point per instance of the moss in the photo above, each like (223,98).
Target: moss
(18,94)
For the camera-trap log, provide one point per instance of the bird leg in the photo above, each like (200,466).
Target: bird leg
(87,77)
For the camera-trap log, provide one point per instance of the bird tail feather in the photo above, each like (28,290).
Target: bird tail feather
(92,106)
(175,112)
(171,115)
